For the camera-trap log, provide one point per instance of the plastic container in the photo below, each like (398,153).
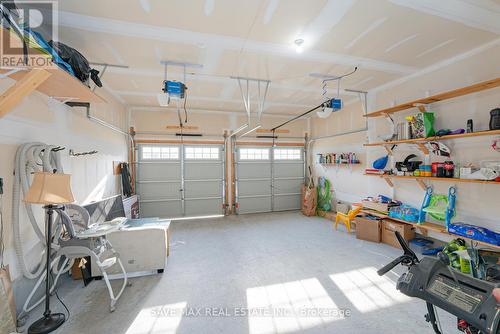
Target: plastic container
(434,168)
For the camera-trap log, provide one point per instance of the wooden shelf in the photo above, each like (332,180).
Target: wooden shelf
(438,97)
(51,81)
(432,178)
(61,86)
(341,164)
(428,227)
(435,138)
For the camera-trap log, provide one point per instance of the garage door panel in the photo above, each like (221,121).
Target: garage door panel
(206,170)
(202,189)
(288,169)
(254,187)
(169,209)
(288,186)
(286,202)
(255,170)
(204,207)
(277,172)
(254,204)
(155,190)
(164,170)
(157,171)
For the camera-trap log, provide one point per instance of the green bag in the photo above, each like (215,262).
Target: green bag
(423,125)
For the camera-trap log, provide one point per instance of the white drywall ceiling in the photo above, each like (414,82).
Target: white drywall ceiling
(387,40)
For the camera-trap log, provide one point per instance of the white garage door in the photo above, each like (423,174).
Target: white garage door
(268,179)
(180,180)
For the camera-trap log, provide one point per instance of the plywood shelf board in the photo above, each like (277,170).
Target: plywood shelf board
(62,86)
(432,178)
(438,97)
(435,138)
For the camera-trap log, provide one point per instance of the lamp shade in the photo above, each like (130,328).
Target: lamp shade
(49,188)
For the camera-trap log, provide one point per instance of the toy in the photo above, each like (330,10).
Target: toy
(438,207)
(404,212)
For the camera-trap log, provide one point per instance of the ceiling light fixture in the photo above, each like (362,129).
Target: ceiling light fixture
(299,47)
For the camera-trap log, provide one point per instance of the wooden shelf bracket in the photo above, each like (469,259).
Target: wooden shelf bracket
(15,93)
(422,184)
(388,148)
(423,148)
(421,107)
(389,182)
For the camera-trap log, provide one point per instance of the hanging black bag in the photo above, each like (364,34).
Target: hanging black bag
(78,63)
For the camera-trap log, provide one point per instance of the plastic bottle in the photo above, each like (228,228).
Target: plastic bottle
(464,264)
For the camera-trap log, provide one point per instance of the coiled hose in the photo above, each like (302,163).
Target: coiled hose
(33,157)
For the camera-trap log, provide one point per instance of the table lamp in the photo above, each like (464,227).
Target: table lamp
(51,190)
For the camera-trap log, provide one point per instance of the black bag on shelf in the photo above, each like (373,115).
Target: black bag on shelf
(78,63)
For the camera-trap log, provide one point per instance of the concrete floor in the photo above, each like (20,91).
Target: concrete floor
(284,263)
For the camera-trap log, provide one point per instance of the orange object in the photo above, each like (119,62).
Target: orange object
(347,218)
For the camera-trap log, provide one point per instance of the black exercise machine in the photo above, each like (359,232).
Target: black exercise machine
(432,280)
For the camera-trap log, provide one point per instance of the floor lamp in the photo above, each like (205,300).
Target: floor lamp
(50,190)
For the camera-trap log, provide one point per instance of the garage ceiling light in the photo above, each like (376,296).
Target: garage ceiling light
(299,47)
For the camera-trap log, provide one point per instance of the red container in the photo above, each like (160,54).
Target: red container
(435,168)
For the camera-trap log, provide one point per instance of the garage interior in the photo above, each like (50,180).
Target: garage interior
(265,166)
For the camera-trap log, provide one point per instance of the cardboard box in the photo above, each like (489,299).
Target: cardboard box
(327,214)
(381,207)
(388,235)
(368,229)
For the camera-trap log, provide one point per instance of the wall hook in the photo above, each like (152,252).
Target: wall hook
(74,154)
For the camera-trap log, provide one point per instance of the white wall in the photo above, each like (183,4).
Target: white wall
(210,123)
(348,183)
(39,118)
(476,203)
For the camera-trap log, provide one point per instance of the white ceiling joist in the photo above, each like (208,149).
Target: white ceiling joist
(471,14)
(172,35)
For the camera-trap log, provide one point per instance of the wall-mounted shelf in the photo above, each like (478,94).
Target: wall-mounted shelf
(341,164)
(420,141)
(427,226)
(420,179)
(438,97)
(54,82)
